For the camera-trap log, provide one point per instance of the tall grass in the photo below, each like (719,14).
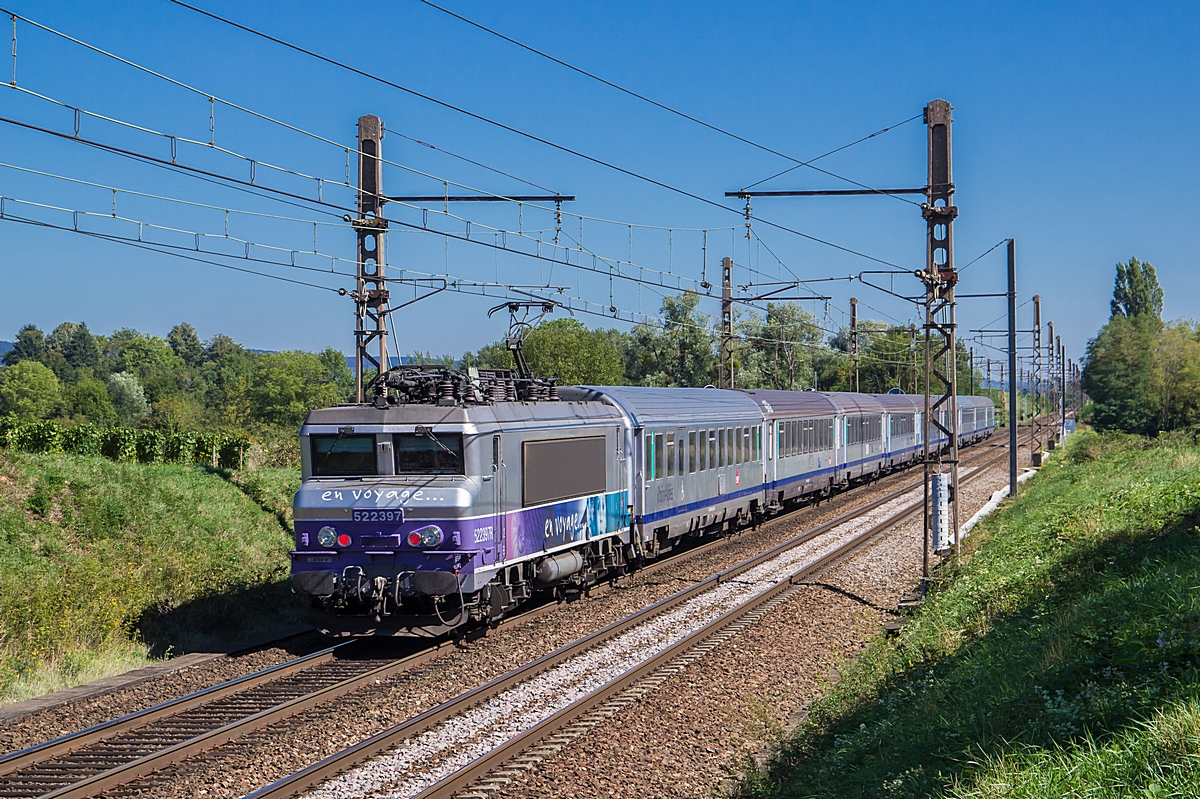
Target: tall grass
(1060,658)
(106,564)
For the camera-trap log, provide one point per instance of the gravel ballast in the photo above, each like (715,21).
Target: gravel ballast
(271,754)
(691,737)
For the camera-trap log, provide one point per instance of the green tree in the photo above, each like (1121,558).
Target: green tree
(287,385)
(1136,291)
(681,352)
(221,345)
(29,346)
(128,397)
(779,348)
(566,349)
(490,356)
(29,390)
(888,362)
(77,345)
(225,385)
(447,360)
(141,355)
(1175,375)
(1117,374)
(185,343)
(90,400)
(337,373)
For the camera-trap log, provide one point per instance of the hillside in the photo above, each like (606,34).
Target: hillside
(1061,659)
(106,565)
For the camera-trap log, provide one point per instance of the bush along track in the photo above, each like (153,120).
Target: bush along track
(104,564)
(1059,657)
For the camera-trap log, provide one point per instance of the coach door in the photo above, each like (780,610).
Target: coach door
(498,500)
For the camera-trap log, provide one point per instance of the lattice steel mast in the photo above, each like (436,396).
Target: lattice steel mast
(940,277)
(370,294)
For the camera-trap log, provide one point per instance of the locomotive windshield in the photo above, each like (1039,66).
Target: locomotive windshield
(343,455)
(425,454)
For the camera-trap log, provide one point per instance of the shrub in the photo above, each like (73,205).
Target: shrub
(83,439)
(149,446)
(39,437)
(119,444)
(179,448)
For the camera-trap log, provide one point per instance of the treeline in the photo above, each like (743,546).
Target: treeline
(785,348)
(1142,374)
(175,384)
(181,384)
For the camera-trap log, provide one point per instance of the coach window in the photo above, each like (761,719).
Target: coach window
(649,457)
(670,454)
(691,452)
(712,449)
(658,457)
(756,438)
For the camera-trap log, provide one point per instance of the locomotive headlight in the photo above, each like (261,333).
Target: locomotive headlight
(327,537)
(431,536)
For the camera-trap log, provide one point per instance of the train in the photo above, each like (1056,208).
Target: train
(455,497)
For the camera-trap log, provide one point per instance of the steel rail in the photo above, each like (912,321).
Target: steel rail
(65,744)
(481,767)
(45,754)
(317,773)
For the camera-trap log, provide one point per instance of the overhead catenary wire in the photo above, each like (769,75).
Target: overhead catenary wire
(216,176)
(154,248)
(879,132)
(348,152)
(962,269)
(797,162)
(346,209)
(214,99)
(174,163)
(524,134)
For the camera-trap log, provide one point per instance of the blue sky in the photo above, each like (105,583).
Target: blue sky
(1075,130)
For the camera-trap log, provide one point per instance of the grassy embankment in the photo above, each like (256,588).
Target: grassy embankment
(1060,659)
(107,566)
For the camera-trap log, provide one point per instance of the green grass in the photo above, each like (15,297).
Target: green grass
(105,566)
(1060,659)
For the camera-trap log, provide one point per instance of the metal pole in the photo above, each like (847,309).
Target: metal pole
(723,380)
(1062,390)
(940,277)
(1012,367)
(371,294)
(1035,381)
(1051,369)
(854,338)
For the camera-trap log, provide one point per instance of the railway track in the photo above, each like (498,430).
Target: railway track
(115,753)
(478,741)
